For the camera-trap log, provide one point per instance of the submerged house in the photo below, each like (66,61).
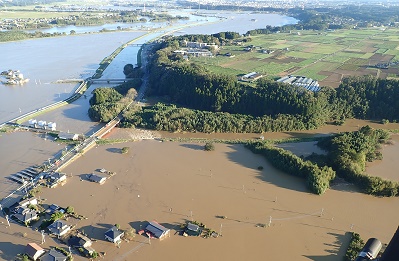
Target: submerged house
(54,255)
(81,241)
(192,230)
(56,178)
(34,251)
(25,214)
(113,235)
(157,230)
(59,228)
(96,178)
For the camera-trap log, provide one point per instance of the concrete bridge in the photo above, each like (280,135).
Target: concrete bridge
(136,45)
(120,80)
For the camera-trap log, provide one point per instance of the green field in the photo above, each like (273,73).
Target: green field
(23,14)
(311,54)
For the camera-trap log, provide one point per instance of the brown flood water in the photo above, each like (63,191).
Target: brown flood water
(155,177)
(387,168)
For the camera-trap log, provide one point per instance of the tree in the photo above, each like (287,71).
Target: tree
(127,69)
(57,215)
(72,32)
(125,150)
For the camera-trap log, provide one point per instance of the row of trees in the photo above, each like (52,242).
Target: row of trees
(317,178)
(348,154)
(175,119)
(8,36)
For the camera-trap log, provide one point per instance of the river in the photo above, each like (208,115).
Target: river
(46,60)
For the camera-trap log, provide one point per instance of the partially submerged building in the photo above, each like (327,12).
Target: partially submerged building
(68,136)
(192,230)
(157,230)
(114,235)
(59,228)
(96,178)
(34,251)
(54,255)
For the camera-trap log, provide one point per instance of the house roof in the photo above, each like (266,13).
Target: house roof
(32,248)
(58,227)
(192,227)
(113,233)
(78,240)
(67,136)
(156,229)
(26,216)
(57,175)
(96,178)
(29,201)
(54,255)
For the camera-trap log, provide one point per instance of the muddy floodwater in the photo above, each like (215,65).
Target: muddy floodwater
(387,168)
(172,182)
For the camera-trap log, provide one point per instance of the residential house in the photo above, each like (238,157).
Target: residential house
(96,178)
(25,214)
(192,230)
(53,208)
(81,241)
(56,178)
(59,228)
(54,255)
(34,251)
(27,202)
(113,234)
(157,230)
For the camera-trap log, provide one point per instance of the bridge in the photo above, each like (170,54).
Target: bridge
(136,45)
(120,80)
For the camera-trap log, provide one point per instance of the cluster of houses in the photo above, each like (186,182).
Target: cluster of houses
(13,77)
(36,252)
(301,81)
(197,49)
(42,125)
(252,48)
(25,211)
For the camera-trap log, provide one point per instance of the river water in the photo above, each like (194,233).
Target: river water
(46,60)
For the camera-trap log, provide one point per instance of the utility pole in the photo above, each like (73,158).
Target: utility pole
(8,221)
(43,239)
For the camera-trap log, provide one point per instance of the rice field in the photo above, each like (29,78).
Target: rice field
(312,54)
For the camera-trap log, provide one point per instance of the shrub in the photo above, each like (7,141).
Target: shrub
(70,210)
(125,150)
(209,146)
